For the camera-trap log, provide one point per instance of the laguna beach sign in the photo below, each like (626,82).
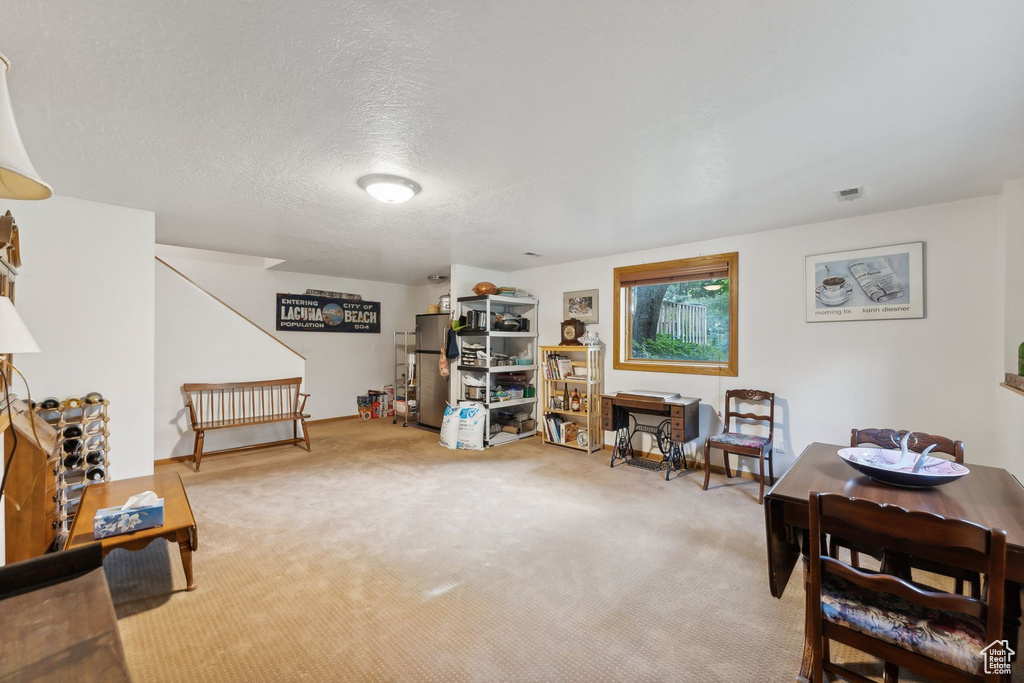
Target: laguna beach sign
(307,313)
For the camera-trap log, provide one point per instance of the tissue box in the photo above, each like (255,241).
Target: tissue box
(115,521)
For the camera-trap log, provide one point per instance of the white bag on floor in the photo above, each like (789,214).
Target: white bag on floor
(450,427)
(471,426)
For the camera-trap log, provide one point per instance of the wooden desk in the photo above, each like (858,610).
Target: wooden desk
(179,523)
(679,426)
(988,496)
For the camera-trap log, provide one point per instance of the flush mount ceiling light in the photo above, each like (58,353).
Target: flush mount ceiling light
(18,178)
(390,189)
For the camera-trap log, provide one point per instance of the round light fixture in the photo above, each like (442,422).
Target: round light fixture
(391,189)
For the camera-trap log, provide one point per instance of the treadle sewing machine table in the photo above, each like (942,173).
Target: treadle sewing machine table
(618,414)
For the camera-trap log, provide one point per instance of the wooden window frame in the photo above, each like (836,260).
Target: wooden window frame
(660,272)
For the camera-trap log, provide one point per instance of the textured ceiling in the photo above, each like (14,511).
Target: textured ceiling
(573,129)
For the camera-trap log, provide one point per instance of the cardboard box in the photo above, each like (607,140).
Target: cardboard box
(115,521)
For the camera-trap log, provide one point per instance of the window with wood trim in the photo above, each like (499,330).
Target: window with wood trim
(678,316)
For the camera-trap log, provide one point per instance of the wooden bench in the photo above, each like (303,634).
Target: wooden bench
(241,404)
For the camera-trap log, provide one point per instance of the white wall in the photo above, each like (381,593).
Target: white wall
(1011,260)
(85,291)
(932,374)
(199,339)
(1009,406)
(339,366)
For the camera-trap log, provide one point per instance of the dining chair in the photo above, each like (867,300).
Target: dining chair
(939,635)
(918,442)
(732,441)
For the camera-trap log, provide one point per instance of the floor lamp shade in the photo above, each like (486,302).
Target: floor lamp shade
(14,336)
(18,178)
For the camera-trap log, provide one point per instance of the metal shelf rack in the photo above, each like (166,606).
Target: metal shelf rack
(405,378)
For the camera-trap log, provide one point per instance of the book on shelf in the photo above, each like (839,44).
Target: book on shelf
(557,366)
(561,430)
(554,428)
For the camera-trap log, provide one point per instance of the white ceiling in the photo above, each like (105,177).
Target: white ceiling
(574,128)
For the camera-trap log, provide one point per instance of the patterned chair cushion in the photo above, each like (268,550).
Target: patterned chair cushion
(949,637)
(744,440)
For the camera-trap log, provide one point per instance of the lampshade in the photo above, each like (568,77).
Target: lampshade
(14,336)
(18,178)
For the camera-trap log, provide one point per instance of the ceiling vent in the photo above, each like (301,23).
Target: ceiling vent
(850,194)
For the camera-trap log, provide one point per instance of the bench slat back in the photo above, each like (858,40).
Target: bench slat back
(243,400)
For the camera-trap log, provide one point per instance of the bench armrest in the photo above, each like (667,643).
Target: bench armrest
(191,410)
(302,407)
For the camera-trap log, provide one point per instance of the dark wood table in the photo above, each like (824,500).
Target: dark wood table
(989,496)
(680,425)
(179,523)
(58,621)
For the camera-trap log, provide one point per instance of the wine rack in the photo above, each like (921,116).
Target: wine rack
(83,449)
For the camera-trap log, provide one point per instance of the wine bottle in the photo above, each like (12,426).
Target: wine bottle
(575,401)
(73,461)
(95,474)
(93,397)
(72,445)
(72,431)
(94,457)
(49,403)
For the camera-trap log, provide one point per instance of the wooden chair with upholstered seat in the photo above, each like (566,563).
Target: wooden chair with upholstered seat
(732,441)
(918,442)
(936,634)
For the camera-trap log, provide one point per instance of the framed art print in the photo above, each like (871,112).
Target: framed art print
(581,304)
(883,283)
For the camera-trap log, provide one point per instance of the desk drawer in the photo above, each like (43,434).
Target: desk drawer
(678,423)
(678,411)
(678,435)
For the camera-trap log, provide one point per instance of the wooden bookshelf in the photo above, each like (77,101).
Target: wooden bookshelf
(586,379)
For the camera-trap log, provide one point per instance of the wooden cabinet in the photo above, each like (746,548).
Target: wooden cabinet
(570,371)
(31,497)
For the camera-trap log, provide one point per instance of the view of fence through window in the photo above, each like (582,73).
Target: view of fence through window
(681,320)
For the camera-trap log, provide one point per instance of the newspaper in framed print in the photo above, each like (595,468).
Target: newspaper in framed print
(883,283)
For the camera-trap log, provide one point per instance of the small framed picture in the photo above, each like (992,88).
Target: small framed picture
(883,283)
(581,304)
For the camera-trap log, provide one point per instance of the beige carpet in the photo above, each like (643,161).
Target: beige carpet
(382,556)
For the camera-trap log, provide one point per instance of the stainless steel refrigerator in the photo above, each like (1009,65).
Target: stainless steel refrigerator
(432,388)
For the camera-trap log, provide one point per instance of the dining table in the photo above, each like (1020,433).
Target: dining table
(989,496)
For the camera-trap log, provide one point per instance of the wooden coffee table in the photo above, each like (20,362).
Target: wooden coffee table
(179,524)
